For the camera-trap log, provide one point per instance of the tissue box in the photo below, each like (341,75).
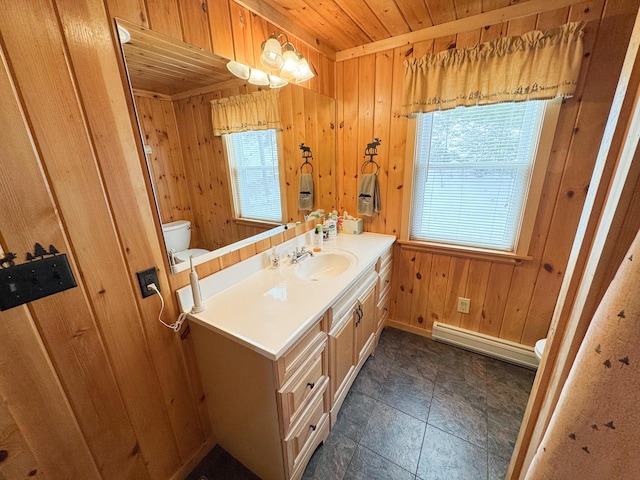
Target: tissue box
(353,227)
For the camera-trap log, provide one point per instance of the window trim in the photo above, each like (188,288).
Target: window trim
(281,180)
(532,202)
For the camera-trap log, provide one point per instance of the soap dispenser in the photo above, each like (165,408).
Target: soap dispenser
(317,238)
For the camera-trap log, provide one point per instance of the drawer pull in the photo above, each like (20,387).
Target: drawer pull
(311,384)
(386,281)
(312,427)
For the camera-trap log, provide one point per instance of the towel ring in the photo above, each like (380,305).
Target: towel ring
(306,154)
(307,162)
(371,160)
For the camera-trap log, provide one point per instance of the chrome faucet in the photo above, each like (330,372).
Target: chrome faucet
(300,254)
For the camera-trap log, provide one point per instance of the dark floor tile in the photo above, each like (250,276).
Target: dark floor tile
(368,465)
(447,457)
(417,363)
(507,397)
(502,432)
(330,460)
(354,415)
(218,464)
(502,372)
(372,375)
(394,435)
(497,467)
(411,395)
(457,412)
(461,365)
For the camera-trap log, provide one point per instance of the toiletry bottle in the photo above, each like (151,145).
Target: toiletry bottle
(317,238)
(275,258)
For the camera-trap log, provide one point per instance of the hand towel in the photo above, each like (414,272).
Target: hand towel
(368,195)
(305,196)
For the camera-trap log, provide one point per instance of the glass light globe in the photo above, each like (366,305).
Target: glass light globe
(276,82)
(271,56)
(289,70)
(304,71)
(238,69)
(258,77)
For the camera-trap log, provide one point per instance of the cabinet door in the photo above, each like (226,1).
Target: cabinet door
(366,324)
(341,356)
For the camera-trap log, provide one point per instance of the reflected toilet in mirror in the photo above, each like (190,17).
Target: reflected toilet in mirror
(177,237)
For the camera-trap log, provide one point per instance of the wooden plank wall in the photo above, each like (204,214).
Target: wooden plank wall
(96,387)
(189,165)
(513,302)
(91,385)
(226,28)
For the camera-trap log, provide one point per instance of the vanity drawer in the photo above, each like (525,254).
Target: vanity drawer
(383,310)
(347,302)
(299,353)
(313,423)
(297,392)
(384,281)
(384,260)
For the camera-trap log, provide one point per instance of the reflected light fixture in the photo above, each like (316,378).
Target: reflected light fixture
(283,62)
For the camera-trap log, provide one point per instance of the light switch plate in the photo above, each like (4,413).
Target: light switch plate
(33,280)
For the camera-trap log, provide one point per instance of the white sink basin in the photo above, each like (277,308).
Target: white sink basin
(325,265)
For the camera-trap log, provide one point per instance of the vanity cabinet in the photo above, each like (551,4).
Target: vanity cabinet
(273,387)
(351,337)
(270,415)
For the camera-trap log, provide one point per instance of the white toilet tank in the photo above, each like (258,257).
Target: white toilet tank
(177,235)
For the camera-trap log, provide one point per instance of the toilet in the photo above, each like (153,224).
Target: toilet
(539,348)
(177,236)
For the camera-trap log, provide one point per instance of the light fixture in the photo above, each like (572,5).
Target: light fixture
(271,56)
(123,33)
(239,70)
(282,61)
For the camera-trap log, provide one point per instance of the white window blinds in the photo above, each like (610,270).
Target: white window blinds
(471,174)
(253,164)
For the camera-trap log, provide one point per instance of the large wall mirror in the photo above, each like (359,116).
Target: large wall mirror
(173,84)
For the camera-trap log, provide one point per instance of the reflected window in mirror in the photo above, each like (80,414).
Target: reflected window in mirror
(254,170)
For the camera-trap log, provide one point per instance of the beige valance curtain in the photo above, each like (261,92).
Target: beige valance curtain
(254,111)
(535,66)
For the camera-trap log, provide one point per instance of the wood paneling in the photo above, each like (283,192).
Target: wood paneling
(514,302)
(91,385)
(96,387)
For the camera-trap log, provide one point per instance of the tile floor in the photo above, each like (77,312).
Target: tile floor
(418,410)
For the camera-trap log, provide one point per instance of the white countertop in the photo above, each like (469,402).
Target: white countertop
(269,310)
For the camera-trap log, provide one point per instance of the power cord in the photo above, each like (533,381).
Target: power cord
(181,318)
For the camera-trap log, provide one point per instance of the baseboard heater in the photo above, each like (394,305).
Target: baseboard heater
(486,345)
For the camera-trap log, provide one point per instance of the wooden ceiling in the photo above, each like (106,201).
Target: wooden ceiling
(345,24)
(159,64)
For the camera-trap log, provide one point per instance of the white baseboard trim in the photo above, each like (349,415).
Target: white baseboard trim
(486,345)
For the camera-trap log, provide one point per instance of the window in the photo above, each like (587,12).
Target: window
(473,174)
(254,171)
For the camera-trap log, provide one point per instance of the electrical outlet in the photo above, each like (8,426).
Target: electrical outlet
(146,277)
(464,304)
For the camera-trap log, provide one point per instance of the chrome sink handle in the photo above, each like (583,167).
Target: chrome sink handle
(299,254)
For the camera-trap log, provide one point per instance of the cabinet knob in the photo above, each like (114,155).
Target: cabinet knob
(312,427)
(311,384)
